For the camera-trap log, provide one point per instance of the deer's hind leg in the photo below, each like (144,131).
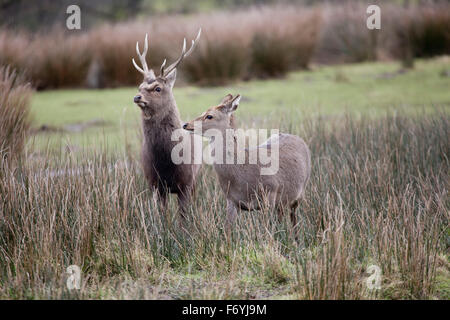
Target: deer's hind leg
(184,198)
(231,213)
(231,217)
(294,206)
(295,229)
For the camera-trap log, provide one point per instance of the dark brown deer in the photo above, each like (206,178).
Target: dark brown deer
(160,117)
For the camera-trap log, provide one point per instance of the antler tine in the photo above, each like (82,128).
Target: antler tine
(162,67)
(145,69)
(194,43)
(144,53)
(137,67)
(183,54)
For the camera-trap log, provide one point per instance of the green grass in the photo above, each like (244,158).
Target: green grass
(369,88)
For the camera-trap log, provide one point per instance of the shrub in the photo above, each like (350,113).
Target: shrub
(114,53)
(344,36)
(13,50)
(304,37)
(50,60)
(14,112)
(257,42)
(223,53)
(241,45)
(401,45)
(216,63)
(57,60)
(277,48)
(420,32)
(270,56)
(431,32)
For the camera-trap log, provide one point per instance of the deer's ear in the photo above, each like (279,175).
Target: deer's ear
(227,98)
(171,77)
(233,104)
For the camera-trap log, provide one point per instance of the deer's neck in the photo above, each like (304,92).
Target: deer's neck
(226,150)
(161,125)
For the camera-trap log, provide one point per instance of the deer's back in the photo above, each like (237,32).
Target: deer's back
(294,166)
(243,183)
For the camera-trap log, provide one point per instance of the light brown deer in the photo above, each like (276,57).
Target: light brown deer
(160,117)
(243,184)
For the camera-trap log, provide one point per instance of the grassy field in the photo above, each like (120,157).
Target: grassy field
(378,195)
(84,117)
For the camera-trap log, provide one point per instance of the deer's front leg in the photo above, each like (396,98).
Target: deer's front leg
(159,198)
(231,216)
(184,198)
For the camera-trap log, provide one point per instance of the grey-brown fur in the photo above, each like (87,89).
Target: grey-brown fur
(160,118)
(161,173)
(243,184)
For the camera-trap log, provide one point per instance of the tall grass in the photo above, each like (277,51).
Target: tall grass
(378,195)
(14,113)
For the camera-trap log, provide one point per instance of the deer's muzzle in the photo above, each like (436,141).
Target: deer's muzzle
(188,127)
(139,101)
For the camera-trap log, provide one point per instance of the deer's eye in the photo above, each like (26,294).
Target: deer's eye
(158,89)
(209,116)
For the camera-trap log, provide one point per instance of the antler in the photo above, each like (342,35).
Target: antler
(182,56)
(146,72)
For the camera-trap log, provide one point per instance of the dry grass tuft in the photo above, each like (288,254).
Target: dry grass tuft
(14,113)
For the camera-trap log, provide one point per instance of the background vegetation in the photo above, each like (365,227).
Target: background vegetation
(14,112)
(86,118)
(255,42)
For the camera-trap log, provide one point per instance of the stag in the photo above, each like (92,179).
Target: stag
(160,117)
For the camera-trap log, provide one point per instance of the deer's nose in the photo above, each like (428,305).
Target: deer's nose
(137,98)
(185,126)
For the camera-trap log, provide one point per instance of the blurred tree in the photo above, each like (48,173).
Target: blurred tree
(44,14)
